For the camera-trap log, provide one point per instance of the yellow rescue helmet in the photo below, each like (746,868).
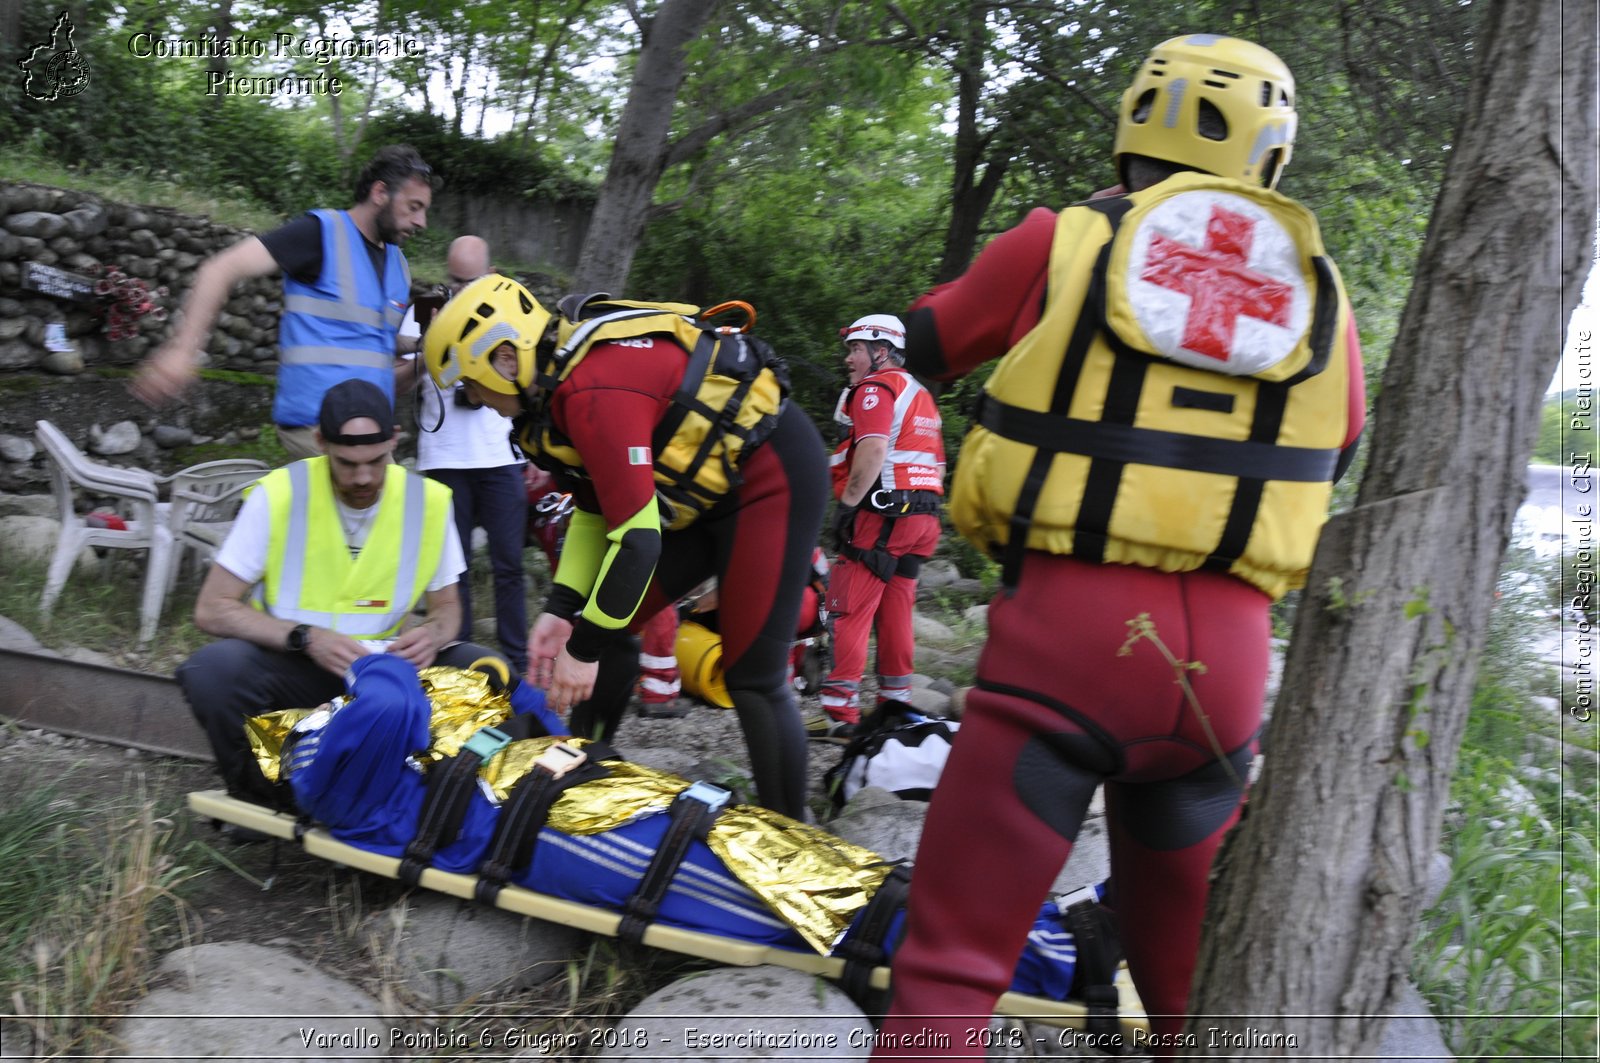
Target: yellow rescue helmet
(461,340)
(1212,103)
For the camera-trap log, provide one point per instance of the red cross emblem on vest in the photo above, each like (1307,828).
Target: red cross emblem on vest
(1219,282)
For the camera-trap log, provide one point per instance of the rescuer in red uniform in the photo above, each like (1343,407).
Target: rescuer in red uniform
(1151,461)
(888,477)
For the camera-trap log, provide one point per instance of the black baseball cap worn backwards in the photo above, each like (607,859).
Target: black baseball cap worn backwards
(348,400)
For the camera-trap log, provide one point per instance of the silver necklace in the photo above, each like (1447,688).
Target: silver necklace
(353,525)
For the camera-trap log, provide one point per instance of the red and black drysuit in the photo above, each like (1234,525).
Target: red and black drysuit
(1059,710)
(758,539)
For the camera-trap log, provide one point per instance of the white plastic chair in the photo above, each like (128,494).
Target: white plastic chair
(203,502)
(135,492)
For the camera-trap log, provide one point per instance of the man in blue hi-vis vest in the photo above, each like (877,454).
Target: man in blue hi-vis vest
(346,286)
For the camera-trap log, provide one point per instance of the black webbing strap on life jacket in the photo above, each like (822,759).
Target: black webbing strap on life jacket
(866,947)
(1083,333)
(681,486)
(450,787)
(523,816)
(1094,937)
(1272,400)
(691,817)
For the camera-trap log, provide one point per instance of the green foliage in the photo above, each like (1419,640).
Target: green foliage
(1501,940)
(1506,937)
(468,165)
(812,233)
(1567,430)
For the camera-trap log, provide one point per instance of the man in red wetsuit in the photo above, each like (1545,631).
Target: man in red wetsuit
(593,388)
(888,477)
(1151,462)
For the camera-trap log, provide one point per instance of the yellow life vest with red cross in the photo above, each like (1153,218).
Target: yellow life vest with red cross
(1182,401)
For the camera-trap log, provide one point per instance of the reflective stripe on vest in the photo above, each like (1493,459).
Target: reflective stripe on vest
(342,325)
(311,577)
(905,467)
(1084,444)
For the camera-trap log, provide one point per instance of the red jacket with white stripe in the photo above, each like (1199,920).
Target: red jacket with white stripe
(889,402)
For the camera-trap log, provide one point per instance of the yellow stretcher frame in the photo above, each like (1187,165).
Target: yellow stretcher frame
(216,804)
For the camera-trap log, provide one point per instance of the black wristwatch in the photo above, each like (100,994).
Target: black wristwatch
(299,640)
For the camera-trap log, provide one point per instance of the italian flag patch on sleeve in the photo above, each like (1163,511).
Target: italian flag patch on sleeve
(638,455)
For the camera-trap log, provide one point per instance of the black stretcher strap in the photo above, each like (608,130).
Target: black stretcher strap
(1095,971)
(449,793)
(527,810)
(867,945)
(691,817)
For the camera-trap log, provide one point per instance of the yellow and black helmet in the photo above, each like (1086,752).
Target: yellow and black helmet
(1216,104)
(464,335)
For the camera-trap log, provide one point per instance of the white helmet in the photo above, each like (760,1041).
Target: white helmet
(873,330)
(884,328)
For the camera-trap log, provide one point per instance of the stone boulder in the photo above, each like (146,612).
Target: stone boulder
(744,1013)
(242,1001)
(447,951)
(876,819)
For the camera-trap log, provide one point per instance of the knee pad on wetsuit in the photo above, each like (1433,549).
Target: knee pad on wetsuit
(1055,776)
(1178,813)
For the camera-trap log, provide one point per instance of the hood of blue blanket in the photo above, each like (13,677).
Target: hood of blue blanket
(345,772)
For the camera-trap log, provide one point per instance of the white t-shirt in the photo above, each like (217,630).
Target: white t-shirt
(244,551)
(467,438)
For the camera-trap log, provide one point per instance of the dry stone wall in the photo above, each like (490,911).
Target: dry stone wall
(83,234)
(69,241)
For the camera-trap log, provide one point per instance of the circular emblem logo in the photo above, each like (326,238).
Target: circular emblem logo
(1215,281)
(67,73)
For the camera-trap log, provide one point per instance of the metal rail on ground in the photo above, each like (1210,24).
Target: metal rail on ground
(114,705)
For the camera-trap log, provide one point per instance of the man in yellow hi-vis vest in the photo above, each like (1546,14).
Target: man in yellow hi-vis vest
(325,563)
(1151,464)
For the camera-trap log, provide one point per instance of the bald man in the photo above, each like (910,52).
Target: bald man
(468,448)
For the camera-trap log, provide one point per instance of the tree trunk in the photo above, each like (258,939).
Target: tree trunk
(970,193)
(221,30)
(1319,890)
(638,157)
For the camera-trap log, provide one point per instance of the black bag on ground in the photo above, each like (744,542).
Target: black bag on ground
(905,754)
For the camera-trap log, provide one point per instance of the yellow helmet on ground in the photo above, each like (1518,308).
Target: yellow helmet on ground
(699,653)
(464,335)
(1211,103)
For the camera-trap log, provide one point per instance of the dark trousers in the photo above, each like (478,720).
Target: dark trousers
(496,501)
(758,544)
(231,680)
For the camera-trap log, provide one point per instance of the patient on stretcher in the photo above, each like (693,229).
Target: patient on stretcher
(452,770)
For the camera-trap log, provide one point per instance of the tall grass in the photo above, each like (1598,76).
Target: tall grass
(87,900)
(1509,956)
